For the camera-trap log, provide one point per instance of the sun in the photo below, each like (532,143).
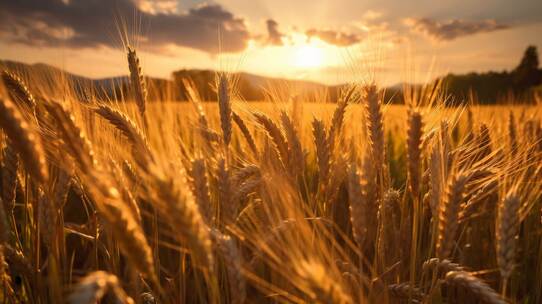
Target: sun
(309,56)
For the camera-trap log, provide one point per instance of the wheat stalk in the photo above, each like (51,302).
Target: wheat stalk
(512,133)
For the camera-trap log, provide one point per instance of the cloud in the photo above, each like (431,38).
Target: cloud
(83,23)
(274,35)
(334,37)
(158,6)
(452,29)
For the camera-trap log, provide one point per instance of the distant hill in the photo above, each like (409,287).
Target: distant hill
(487,88)
(49,77)
(248,86)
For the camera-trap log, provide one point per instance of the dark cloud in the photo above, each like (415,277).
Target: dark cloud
(274,35)
(91,23)
(334,37)
(452,29)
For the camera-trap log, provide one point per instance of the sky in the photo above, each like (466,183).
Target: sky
(329,41)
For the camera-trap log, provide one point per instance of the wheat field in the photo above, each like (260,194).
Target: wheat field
(290,200)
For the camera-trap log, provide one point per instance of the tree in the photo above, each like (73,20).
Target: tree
(526,73)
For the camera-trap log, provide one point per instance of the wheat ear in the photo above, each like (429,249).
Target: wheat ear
(297,159)
(436,179)
(484,142)
(441,267)
(449,213)
(141,149)
(93,287)
(507,229)
(321,288)
(358,206)
(9,177)
(209,135)
(137,81)
(476,286)
(24,140)
(177,205)
(405,291)
(375,124)
(322,150)
(338,118)
(5,278)
(74,139)
(130,236)
(228,207)
(18,90)
(200,186)
(224,106)
(127,231)
(414,142)
(246,132)
(274,131)
(243,190)
(233,262)
(389,225)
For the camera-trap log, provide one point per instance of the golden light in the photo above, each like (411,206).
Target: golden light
(309,56)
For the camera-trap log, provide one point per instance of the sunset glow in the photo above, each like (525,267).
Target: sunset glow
(309,56)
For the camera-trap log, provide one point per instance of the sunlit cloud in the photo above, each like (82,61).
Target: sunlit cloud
(453,29)
(334,37)
(92,23)
(274,35)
